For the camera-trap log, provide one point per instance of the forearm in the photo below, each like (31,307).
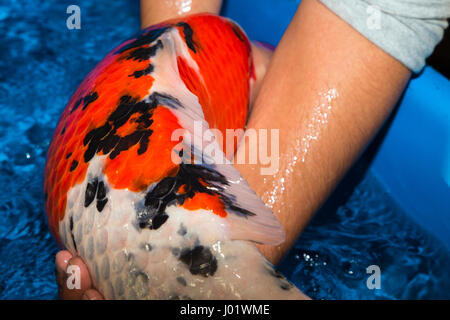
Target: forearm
(328,90)
(155,11)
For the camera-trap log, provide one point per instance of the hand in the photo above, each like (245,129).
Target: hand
(63,260)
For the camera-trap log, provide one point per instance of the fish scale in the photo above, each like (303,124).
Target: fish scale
(149,227)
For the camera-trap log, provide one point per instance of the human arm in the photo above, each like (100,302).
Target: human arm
(328,90)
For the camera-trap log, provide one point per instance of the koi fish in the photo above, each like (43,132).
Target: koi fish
(149,227)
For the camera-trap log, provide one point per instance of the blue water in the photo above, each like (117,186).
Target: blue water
(361,225)
(42,63)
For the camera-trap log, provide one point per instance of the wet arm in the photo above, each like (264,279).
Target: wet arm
(328,90)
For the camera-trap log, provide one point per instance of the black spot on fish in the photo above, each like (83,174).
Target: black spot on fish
(101,204)
(89,99)
(71,233)
(182,231)
(166,100)
(93,139)
(63,130)
(140,73)
(229,204)
(76,105)
(105,137)
(86,100)
(199,179)
(144,38)
(200,261)
(237,31)
(96,189)
(182,281)
(153,214)
(158,221)
(101,190)
(74,165)
(145,53)
(126,143)
(163,188)
(195,179)
(91,190)
(69,155)
(188,35)
(144,142)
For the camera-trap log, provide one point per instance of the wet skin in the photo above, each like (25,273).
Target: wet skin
(334,74)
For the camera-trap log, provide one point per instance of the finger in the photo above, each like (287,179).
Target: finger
(61,261)
(76,279)
(92,294)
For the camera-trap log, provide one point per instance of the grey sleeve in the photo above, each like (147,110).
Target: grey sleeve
(408,30)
